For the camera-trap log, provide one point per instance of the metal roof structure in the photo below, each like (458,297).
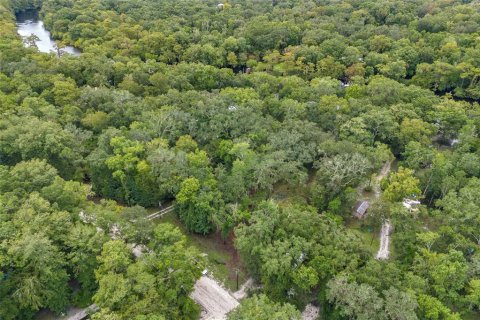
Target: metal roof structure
(361,209)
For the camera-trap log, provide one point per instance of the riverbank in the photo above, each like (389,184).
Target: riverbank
(34,34)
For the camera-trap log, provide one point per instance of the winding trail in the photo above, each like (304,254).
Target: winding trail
(382,174)
(384,250)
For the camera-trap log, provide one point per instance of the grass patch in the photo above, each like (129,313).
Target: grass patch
(470,315)
(370,237)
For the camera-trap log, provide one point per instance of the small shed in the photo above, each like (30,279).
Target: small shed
(361,209)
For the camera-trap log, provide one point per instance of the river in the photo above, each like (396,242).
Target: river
(28,24)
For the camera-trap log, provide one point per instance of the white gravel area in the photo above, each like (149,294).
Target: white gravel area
(216,302)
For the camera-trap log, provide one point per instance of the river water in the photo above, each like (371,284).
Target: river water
(28,24)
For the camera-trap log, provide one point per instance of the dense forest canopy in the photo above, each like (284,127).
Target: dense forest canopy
(262,121)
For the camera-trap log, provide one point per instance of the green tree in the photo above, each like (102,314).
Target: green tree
(41,280)
(401,184)
(156,285)
(262,308)
(354,300)
(343,170)
(196,206)
(432,309)
(399,305)
(473,296)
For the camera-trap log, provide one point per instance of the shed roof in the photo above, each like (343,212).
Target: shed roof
(362,208)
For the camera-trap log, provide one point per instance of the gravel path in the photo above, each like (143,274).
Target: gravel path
(384,250)
(215,301)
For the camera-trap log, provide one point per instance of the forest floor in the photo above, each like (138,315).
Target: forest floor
(285,193)
(366,234)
